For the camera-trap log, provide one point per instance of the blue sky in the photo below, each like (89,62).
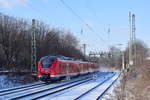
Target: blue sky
(98,14)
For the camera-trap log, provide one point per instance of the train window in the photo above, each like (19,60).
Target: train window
(48,61)
(61,67)
(71,67)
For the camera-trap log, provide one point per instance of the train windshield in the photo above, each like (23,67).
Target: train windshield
(48,61)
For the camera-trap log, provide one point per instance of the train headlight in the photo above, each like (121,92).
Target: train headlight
(40,77)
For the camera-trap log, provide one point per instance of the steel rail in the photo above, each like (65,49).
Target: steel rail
(65,88)
(20,87)
(39,91)
(51,88)
(108,87)
(55,87)
(85,93)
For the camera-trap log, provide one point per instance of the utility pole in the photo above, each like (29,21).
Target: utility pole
(123,67)
(134,40)
(84,49)
(108,32)
(130,42)
(84,45)
(33,48)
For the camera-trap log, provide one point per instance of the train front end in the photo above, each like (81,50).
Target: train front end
(46,66)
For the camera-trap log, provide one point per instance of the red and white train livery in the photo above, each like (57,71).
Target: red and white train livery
(54,67)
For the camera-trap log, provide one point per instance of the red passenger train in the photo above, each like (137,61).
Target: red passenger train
(55,67)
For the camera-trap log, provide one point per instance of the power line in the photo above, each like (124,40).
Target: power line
(80,18)
(77,15)
(93,12)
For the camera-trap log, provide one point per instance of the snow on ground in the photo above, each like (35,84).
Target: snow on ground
(14,80)
(110,94)
(72,93)
(99,90)
(6,83)
(105,69)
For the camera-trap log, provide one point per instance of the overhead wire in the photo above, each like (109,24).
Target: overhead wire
(81,19)
(93,12)
(108,27)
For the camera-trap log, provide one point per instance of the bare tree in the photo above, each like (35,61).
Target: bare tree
(15,42)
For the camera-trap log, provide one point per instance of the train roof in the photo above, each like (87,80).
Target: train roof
(68,59)
(52,57)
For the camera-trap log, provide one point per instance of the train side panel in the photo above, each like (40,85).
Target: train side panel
(63,68)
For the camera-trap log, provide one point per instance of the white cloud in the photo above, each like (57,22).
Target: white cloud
(11,3)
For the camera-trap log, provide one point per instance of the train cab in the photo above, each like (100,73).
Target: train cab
(45,66)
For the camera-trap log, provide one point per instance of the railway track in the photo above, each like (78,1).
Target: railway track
(18,89)
(21,87)
(103,93)
(79,92)
(24,87)
(98,91)
(34,89)
(90,90)
(62,89)
(42,91)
